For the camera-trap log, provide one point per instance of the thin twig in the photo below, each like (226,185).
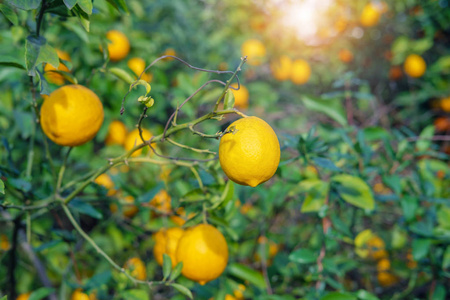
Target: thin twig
(62,170)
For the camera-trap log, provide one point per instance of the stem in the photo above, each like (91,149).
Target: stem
(13,258)
(197,176)
(190,148)
(348,103)
(62,170)
(40,17)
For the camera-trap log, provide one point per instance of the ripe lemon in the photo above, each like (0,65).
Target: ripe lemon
(119,47)
(251,153)
(129,210)
(240,96)
(383,264)
(137,268)
(239,292)
(54,77)
(167,243)
(376,248)
(162,202)
(282,68)
(301,71)
(137,65)
(133,138)
(370,15)
(345,55)
(204,253)
(71,115)
(415,66)
(106,181)
(181,218)
(445,104)
(23,296)
(4,243)
(117,131)
(386,279)
(254,50)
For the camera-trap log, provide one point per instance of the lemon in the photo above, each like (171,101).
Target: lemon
(24,296)
(370,15)
(117,132)
(170,51)
(282,68)
(376,248)
(345,55)
(415,66)
(445,104)
(133,138)
(383,264)
(106,181)
(119,47)
(4,243)
(79,295)
(71,115)
(251,153)
(137,65)
(386,279)
(137,268)
(301,71)
(204,253)
(167,243)
(129,210)
(254,50)
(54,77)
(162,202)
(240,96)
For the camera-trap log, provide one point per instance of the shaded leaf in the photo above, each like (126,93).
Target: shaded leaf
(70,3)
(303,256)
(98,280)
(167,266)
(85,208)
(2,187)
(420,248)
(120,5)
(316,194)
(326,164)
(9,13)
(228,102)
(41,293)
(25,4)
(332,108)
(12,62)
(135,294)
(176,271)
(354,191)
(338,296)
(246,273)
(86,6)
(182,289)
(424,141)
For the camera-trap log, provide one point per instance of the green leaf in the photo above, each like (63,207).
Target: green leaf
(443,216)
(41,293)
(135,294)
(75,28)
(246,273)
(70,3)
(4,298)
(303,256)
(121,74)
(9,13)
(339,296)
(331,107)
(2,187)
(167,266)
(365,295)
(43,84)
(120,5)
(422,45)
(409,206)
(446,259)
(86,6)
(375,133)
(228,102)
(354,191)
(182,289)
(424,141)
(25,4)
(440,293)
(37,51)
(420,248)
(12,62)
(82,17)
(316,193)
(441,65)
(97,280)
(176,271)
(85,208)
(326,164)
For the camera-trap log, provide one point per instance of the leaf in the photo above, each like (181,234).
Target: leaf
(332,108)
(41,293)
(440,293)
(338,296)
(86,6)
(182,289)
(424,141)
(43,84)
(68,76)
(326,164)
(409,206)
(70,3)
(446,259)
(120,5)
(25,4)
(121,74)
(441,65)
(12,62)
(9,13)
(246,273)
(167,266)
(82,17)
(354,191)
(420,248)
(365,295)
(135,294)
(228,102)
(147,197)
(176,271)
(4,298)
(303,256)
(76,29)
(316,194)
(97,280)
(375,133)
(2,187)
(38,51)
(85,208)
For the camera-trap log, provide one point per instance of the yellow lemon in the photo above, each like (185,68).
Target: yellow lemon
(79,295)
(282,68)
(170,51)
(71,115)
(345,55)
(162,202)
(117,132)
(137,65)
(204,253)
(181,218)
(370,15)
(250,154)
(119,47)
(133,138)
(301,71)
(4,243)
(376,248)
(167,243)
(23,296)
(129,209)
(137,268)
(106,181)
(240,96)
(254,50)
(386,279)
(415,66)
(383,264)
(445,104)
(239,292)
(54,77)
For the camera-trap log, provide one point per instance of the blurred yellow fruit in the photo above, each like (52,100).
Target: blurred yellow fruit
(129,209)
(162,202)
(230,297)
(223,66)
(24,296)
(239,292)
(4,243)
(395,73)
(106,181)
(170,51)
(54,77)
(415,65)
(71,115)
(245,208)
(345,55)
(167,243)
(340,25)
(445,104)
(79,295)
(282,68)
(383,264)
(370,15)
(411,263)
(137,65)
(137,268)
(272,249)
(117,132)
(442,124)
(133,138)
(204,253)
(386,279)
(301,71)
(119,47)
(251,153)
(240,96)
(376,248)
(254,50)
(181,218)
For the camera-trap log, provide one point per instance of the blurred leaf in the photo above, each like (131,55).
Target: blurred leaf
(2,187)
(332,108)
(47,245)
(85,208)
(420,248)
(424,141)
(440,293)
(11,62)
(43,84)
(303,256)
(365,295)
(135,295)
(228,102)
(354,191)
(375,133)
(182,289)
(9,13)
(316,193)
(399,49)
(82,17)
(41,293)
(70,3)
(443,216)
(38,51)
(339,296)
(4,298)
(326,164)
(121,74)
(167,266)
(148,196)
(20,184)
(409,205)
(120,5)
(176,271)
(85,5)
(77,30)
(441,65)
(422,45)
(25,4)
(97,280)
(245,273)
(275,297)
(393,182)
(446,259)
